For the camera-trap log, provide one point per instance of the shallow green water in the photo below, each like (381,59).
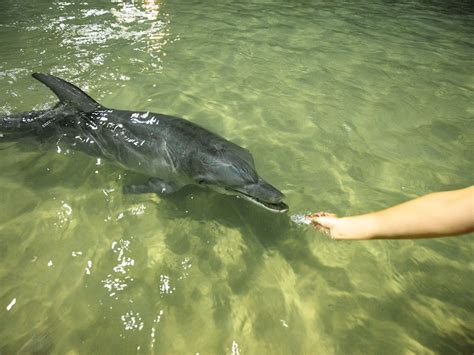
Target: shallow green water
(347,107)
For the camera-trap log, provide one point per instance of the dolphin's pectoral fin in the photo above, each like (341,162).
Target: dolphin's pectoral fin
(155,185)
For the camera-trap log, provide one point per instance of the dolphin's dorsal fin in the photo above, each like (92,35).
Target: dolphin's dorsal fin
(68,93)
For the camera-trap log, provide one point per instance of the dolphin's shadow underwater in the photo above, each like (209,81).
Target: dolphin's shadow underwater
(171,151)
(262,233)
(175,154)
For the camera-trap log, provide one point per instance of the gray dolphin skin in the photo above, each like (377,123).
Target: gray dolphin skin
(172,151)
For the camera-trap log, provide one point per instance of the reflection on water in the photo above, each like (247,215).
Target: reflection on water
(92,37)
(346,108)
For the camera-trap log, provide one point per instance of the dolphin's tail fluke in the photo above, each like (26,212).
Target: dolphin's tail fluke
(22,124)
(36,124)
(68,93)
(40,123)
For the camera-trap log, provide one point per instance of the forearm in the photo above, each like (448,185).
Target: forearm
(436,214)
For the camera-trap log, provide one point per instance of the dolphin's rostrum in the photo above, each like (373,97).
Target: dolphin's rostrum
(172,151)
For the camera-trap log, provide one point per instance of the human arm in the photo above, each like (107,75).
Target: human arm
(433,215)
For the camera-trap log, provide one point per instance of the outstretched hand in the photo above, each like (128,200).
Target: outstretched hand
(359,227)
(327,223)
(438,214)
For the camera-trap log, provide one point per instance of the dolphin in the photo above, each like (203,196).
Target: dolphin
(171,151)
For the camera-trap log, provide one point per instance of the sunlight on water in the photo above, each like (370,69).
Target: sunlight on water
(346,107)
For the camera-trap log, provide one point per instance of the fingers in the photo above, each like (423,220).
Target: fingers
(322,229)
(322,221)
(321,214)
(319,219)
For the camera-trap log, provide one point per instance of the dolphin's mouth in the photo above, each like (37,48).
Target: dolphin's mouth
(278,207)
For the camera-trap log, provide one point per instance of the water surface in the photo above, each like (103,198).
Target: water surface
(347,107)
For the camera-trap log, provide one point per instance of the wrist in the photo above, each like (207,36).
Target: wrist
(358,227)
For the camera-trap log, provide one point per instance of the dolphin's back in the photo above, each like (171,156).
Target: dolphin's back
(146,142)
(175,144)
(174,152)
